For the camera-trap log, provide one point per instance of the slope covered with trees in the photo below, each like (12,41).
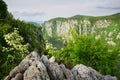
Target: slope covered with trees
(88,51)
(17,39)
(92,41)
(105,27)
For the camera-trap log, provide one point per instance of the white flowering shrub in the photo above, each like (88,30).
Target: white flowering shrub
(15,47)
(50,49)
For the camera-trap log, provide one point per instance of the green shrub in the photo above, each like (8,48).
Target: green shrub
(82,49)
(13,53)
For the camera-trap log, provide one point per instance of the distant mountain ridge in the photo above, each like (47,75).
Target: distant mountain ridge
(105,27)
(36,22)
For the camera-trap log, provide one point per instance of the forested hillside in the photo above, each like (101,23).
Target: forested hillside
(92,41)
(57,30)
(17,39)
(87,40)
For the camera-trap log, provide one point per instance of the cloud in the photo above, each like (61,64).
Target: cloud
(32,16)
(47,9)
(29,14)
(102,7)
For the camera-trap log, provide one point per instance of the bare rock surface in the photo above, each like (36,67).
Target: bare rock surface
(34,67)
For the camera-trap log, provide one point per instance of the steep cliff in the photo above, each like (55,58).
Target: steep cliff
(35,68)
(105,27)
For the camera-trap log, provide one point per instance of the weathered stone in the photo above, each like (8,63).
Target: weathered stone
(52,59)
(37,71)
(81,72)
(32,67)
(95,75)
(22,68)
(7,78)
(55,72)
(13,72)
(67,73)
(45,60)
(33,56)
(108,77)
(18,76)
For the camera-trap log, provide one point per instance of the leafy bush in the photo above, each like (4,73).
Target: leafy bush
(3,9)
(89,51)
(14,40)
(13,53)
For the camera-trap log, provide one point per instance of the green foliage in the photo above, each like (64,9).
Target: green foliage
(11,43)
(32,34)
(12,46)
(14,40)
(13,53)
(50,49)
(56,42)
(89,51)
(3,10)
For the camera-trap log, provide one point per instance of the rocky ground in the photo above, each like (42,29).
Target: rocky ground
(34,67)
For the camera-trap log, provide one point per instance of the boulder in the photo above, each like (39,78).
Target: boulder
(34,67)
(18,76)
(55,72)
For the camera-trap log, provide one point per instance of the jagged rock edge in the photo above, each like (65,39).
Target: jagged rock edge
(34,67)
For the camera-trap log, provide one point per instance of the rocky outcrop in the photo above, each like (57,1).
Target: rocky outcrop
(62,27)
(34,67)
(59,30)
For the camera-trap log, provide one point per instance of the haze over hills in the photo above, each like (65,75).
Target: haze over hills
(36,22)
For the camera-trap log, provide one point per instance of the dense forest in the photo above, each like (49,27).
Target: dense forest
(18,38)
(88,51)
(92,41)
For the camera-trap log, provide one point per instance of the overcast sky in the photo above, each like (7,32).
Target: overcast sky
(41,10)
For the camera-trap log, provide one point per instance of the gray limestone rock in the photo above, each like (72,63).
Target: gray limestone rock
(52,59)
(18,76)
(32,67)
(55,72)
(45,60)
(67,73)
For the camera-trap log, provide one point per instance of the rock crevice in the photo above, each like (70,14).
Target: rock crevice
(34,67)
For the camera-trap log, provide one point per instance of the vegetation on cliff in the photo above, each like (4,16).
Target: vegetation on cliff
(15,35)
(101,50)
(88,51)
(104,27)
(92,41)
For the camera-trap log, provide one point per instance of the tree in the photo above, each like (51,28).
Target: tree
(3,10)
(14,41)
(50,49)
(13,53)
(82,49)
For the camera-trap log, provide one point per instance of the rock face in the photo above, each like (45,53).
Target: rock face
(59,29)
(62,27)
(34,67)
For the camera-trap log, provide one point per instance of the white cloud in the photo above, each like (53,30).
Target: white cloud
(47,9)
(17,13)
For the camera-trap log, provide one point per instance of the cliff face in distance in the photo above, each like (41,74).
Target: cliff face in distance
(105,27)
(34,67)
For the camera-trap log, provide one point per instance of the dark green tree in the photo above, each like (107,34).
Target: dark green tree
(3,10)
(13,53)
(82,49)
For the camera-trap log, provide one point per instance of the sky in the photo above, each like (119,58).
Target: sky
(42,10)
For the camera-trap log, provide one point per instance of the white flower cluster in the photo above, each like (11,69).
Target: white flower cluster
(14,41)
(50,48)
